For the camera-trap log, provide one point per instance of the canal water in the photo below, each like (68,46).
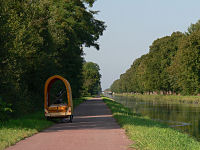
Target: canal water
(179,115)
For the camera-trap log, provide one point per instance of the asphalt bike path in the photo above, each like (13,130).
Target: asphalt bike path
(93,128)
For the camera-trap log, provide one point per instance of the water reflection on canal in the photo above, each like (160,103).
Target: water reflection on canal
(182,116)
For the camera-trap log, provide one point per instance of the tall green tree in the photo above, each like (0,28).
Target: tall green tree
(91,79)
(186,65)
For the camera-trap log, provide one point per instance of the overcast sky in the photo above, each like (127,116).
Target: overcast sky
(132,26)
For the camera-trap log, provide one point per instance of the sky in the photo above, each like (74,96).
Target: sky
(132,26)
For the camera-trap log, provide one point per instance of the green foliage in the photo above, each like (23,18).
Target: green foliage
(91,79)
(186,64)
(194,27)
(148,134)
(171,66)
(39,39)
(5,110)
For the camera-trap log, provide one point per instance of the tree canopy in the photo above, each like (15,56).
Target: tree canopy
(41,38)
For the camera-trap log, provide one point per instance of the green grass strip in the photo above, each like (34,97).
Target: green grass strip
(174,98)
(15,130)
(148,134)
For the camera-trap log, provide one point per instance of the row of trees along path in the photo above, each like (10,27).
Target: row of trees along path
(38,39)
(171,66)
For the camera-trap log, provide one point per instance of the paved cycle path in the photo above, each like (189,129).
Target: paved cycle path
(93,128)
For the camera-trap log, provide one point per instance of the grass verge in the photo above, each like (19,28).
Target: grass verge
(15,130)
(175,98)
(78,101)
(148,134)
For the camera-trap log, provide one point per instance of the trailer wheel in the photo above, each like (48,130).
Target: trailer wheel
(49,118)
(71,118)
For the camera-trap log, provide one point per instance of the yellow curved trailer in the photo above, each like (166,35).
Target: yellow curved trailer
(58,110)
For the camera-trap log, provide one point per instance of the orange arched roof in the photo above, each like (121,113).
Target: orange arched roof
(47,87)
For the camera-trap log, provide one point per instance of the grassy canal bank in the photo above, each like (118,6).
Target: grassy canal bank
(148,134)
(175,98)
(15,130)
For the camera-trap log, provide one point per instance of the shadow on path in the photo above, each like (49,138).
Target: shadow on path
(92,114)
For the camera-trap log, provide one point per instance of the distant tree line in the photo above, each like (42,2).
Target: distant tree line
(172,66)
(38,39)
